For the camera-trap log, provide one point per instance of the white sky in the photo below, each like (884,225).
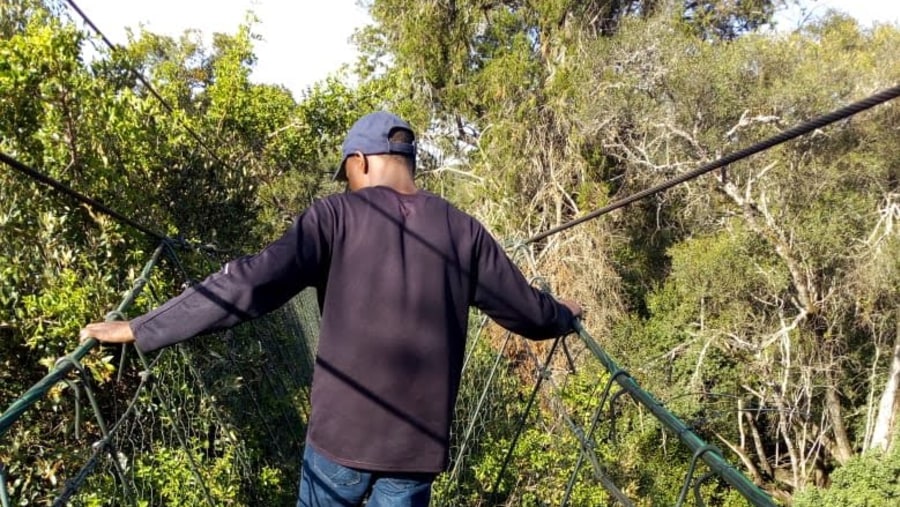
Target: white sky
(866,11)
(305,40)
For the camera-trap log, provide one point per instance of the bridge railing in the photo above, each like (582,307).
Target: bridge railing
(249,383)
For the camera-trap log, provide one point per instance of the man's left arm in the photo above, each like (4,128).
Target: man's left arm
(505,295)
(244,289)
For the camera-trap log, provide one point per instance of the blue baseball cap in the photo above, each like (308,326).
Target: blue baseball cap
(371,135)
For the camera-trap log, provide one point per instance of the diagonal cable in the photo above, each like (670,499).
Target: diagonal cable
(149,87)
(93,203)
(787,135)
(205,247)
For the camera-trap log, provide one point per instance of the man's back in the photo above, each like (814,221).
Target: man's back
(394,316)
(403,271)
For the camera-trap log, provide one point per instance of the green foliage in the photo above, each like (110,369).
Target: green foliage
(728,19)
(871,480)
(726,316)
(167,472)
(752,294)
(759,303)
(97,128)
(308,150)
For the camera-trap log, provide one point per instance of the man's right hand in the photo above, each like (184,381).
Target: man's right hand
(573,307)
(108,332)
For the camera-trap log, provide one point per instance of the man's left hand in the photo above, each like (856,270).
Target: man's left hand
(118,331)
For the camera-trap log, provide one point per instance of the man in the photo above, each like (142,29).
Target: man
(396,269)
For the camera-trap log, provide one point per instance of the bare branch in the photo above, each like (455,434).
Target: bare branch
(744,121)
(453,170)
(745,458)
(784,332)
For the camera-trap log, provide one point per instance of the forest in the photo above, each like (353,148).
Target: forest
(759,303)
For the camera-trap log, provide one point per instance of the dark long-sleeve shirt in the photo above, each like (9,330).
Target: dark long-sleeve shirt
(395,276)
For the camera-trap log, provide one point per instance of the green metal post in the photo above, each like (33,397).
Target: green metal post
(714,460)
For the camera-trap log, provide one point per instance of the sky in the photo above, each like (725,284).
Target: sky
(303,41)
(866,12)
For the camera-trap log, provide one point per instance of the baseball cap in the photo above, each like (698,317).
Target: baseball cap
(371,134)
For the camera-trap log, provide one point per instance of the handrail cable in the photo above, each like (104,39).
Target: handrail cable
(59,372)
(78,196)
(787,135)
(685,434)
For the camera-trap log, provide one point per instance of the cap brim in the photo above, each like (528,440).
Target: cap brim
(340,174)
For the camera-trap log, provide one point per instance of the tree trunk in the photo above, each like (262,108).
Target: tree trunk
(758,444)
(887,406)
(843,451)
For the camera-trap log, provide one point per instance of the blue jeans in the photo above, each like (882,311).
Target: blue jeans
(324,483)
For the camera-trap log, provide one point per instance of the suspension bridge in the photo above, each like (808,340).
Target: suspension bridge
(284,371)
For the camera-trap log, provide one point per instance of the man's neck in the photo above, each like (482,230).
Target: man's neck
(400,181)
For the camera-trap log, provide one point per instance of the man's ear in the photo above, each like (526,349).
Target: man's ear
(356,161)
(364,160)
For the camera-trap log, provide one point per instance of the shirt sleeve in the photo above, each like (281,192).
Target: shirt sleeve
(503,293)
(245,288)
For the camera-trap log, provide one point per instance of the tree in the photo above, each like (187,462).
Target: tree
(782,326)
(210,170)
(745,289)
